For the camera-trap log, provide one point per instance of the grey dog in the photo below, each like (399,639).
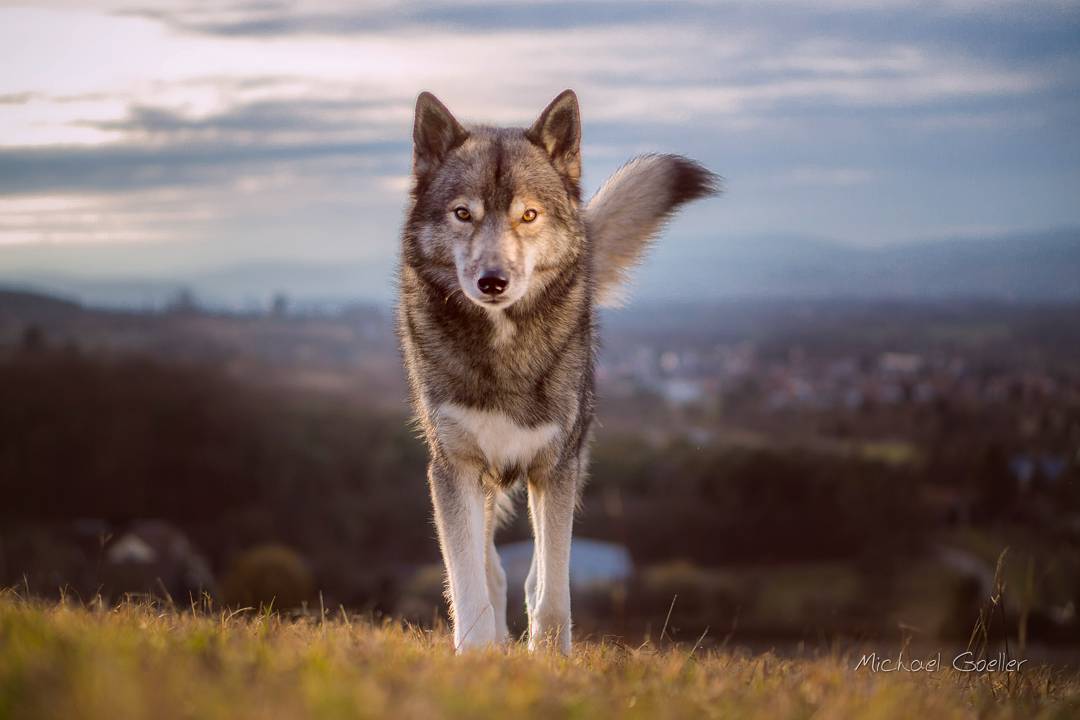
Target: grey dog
(502,269)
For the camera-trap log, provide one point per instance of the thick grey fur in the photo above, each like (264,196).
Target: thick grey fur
(504,391)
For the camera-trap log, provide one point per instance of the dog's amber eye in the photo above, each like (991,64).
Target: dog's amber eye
(462,213)
(528,216)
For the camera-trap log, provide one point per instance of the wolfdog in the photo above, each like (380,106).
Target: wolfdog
(501,271)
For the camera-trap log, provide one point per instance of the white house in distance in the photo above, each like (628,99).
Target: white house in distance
(592,563)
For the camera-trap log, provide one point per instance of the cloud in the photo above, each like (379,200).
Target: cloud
(265,122)
(344,19)
(826,176)
(120,168)
(16,98)
(250,111)
(273,19)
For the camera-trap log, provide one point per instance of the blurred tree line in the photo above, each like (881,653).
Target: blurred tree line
(237,465)
(232,464)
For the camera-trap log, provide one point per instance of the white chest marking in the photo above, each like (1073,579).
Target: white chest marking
(504,327)
(502,441)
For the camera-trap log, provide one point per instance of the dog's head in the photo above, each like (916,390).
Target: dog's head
(499,206)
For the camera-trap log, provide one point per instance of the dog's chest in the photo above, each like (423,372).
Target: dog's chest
(495,436)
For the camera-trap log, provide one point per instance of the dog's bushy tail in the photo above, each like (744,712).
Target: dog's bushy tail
(630,209)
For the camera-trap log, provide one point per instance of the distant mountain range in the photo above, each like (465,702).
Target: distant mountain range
(1024,267)
(1037,266)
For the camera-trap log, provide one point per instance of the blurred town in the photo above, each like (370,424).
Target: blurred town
(767,469)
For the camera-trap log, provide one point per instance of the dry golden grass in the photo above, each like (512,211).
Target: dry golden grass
(141,661)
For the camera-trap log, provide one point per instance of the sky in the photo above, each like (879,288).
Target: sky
(163,139)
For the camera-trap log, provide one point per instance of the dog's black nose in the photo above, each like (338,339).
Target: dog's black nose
(492,283)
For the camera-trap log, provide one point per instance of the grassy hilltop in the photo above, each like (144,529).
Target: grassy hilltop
(140,661)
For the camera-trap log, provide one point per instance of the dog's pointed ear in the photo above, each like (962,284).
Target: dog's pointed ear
(558,132)
(435,134)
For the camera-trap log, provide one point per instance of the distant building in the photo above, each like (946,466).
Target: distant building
(151,556)
(900,363)
(681,392)
(592,562)
(1025,467)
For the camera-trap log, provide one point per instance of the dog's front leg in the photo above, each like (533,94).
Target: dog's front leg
(496,576)
(551,506)
(459,517)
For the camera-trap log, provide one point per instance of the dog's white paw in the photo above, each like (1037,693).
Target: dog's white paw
(550,628)
(476,630)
